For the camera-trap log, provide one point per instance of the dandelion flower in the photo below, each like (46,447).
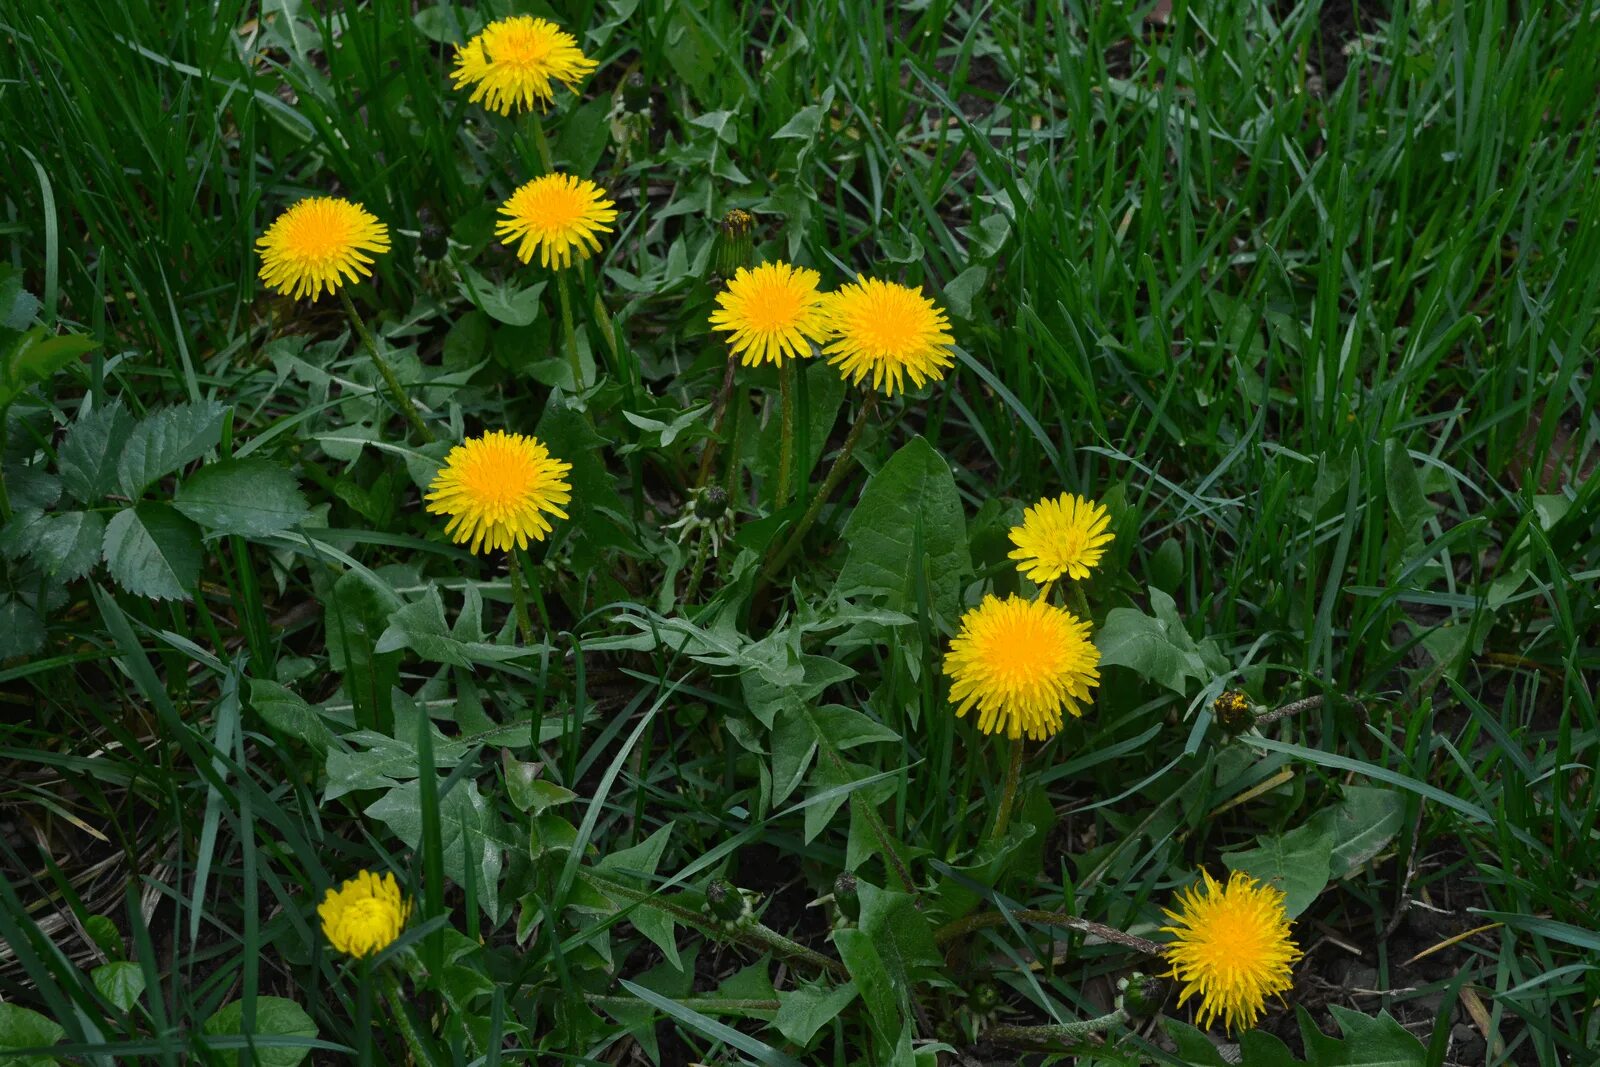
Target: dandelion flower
(889,332)
(495,488)
(1020,662)
(1232,948)
(514,61)
(559,215)
(773,312)
(317,244)
(1067,536)
(365,915)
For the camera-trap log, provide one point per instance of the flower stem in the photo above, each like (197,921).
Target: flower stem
(396,392)
(569,335)
(1080,603)
(982,920)
(540,144)
(402,1020)
(836,474)
(699,570)
(1002,818)
(519,597)
(1310,703)
(786,442)
(1028,1037)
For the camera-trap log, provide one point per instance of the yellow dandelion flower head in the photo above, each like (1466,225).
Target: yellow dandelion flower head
(559,215)
(318,244)
(496,490)
(1231,948)
(365,915)
(1020,662)
(514,62)
(1067,535)
(889,332)
(773,313)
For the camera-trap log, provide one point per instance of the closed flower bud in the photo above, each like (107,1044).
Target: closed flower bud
(636,92)
(1142,995)
(725,901)
(844,896)
(735,242)
(434,242)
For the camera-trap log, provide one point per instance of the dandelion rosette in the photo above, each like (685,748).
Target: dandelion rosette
(365,915)
(559,216)
(1020,663)
(514,63)
(319,243)
(772,313)
(1066,535)
(497,490)
(888,333)
(1231,948)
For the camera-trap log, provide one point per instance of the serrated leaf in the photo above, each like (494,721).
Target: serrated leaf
(1368,1041)
(911,503)
(286,712)
(88,456)
(153,551)
(902,933)
(420,626)
(275,1017)
(1363,824)
(249,497)
(861,959)
(21,629)
(167,441)
(68,543)
(1194,1047)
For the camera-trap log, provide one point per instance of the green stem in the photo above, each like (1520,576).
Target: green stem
(1080,603)
(786,441)
(1008,797)
(569,335)
(396,392)
(402,1020)
(519,597)
(540,144)
(1308,704)
(836,474)
(1029,1037)
(701,547)
(703,1004)
(982,920)
(755,935)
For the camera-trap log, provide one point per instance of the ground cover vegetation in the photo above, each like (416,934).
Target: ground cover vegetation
(691,532)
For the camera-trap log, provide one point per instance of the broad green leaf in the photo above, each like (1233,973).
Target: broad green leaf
(420,626)
(1368,1041)
(68,543)
(804,1011)
(24,1028)
(275,1017)
(470,833)
(250,497)
(35,356)
(861,959)
(1193,1046)
(17,305)
(1407,502)
(528,791)
(357,611)
(286,712)
(378,761)
(153,551)
(1362,825)
(964,289)
(910,503)
(89,453)
(167,441)
(584,133)
(120,983)
(638,865)
(448,23)
(1295,862)
(902,933)
(1156,647)
(511,304)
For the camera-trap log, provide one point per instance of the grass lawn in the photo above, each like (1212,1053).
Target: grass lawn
(684,729)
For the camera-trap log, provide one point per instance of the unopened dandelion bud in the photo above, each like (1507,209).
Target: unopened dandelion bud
(735,242)
(636,92)
(1234,712)
(1142,995)
(725,901)
(713,502)
(845,897)
(434,243)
